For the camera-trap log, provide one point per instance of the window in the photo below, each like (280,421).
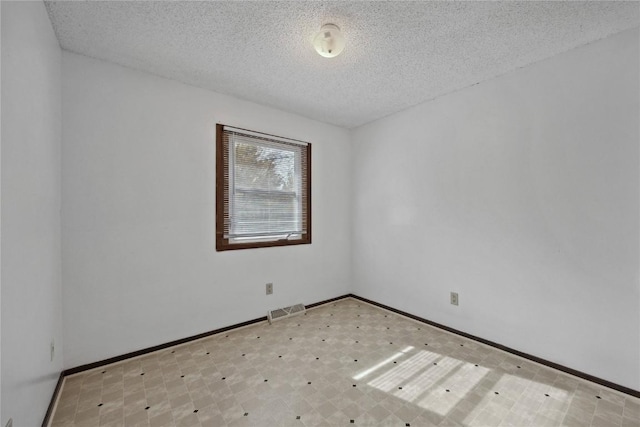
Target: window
(263,190)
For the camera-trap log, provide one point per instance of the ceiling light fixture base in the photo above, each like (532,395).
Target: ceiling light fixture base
(329,42)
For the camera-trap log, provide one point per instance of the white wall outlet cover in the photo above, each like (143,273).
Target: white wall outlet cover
(454,298)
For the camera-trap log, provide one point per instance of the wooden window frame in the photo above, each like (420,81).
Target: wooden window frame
(224,244)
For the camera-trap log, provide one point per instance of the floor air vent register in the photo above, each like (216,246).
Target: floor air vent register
(283,313)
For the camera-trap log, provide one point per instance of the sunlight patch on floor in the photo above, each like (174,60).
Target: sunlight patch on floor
(398,375)
(383,363)
(430,380)
(518,388)
(460,383)
(427,379)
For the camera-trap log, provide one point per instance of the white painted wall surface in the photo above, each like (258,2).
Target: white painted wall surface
(138,204)
(1,220)
(31,284)
(520,193)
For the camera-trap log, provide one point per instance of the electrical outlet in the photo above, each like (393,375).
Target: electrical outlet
(454,298)
(269,288)
(53,349)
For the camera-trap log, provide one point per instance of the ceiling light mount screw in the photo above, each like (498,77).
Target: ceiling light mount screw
(329,42)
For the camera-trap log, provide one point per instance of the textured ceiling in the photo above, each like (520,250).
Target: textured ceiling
(398,54)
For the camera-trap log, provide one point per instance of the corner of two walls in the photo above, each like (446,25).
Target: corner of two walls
(31,266)
(521,194)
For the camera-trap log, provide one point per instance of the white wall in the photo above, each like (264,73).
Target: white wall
(1,221)
(31,285)
(138,207)
(521,194)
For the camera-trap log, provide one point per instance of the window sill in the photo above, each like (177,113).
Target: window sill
(225,245)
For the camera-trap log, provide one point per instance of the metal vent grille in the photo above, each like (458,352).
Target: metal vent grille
(282,313)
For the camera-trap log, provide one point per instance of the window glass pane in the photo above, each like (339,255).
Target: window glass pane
(265,190)
(263,167)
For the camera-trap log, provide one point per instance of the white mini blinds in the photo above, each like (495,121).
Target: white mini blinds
(263,185)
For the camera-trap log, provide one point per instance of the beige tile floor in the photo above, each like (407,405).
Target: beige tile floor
(343,363)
